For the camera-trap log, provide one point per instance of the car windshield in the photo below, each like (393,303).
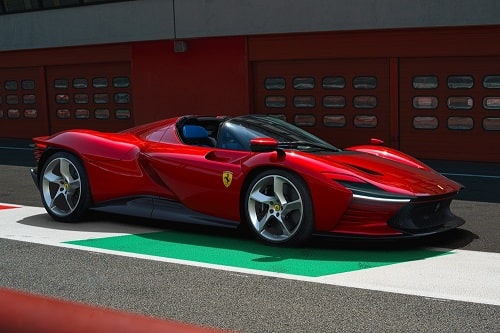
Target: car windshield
(236,133)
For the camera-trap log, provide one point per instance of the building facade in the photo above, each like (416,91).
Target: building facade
(424,76)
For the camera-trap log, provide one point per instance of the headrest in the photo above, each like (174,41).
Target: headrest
(194,132)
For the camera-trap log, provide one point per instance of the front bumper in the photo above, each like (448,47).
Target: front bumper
(376,215)
(423,216)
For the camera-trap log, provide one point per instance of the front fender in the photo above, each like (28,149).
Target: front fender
(330,199)
(390,154)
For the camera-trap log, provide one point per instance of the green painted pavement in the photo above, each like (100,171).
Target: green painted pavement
(250,254)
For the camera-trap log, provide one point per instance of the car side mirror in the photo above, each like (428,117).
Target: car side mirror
(376,142)
(263,145)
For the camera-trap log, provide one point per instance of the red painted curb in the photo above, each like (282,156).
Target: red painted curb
(2,206)
(26,313)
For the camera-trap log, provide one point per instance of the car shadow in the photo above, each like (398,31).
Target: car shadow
(99,223)
(215,245)
(449,240)
(143,227)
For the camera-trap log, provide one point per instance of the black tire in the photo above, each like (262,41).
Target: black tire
(277,207)
(64,188)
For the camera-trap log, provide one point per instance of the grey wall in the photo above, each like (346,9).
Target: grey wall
(228,17)
(99,24)
(168,19)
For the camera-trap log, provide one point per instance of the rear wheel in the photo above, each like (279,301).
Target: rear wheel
(64,187)
(278,208)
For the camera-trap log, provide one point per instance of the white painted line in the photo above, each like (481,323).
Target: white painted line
(467,276)
(33,224)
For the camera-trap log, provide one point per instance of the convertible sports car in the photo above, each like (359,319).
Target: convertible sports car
(282,182)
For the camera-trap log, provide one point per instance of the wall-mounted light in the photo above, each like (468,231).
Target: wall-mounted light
(180,46)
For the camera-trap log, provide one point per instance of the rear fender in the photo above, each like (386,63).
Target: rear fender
(91,144)
(108,159)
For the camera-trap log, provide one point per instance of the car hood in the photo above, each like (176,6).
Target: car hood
(389,175)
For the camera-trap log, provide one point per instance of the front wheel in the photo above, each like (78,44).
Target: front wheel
(278,208)
(64,187)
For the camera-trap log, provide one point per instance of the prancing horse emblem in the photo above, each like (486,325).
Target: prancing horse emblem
(227,178)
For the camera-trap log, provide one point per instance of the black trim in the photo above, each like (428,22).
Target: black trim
(426,216)
(161,209)
(34,175)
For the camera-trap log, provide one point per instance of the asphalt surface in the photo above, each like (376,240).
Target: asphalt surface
(252,303)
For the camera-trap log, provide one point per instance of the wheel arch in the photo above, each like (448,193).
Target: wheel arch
(72,183)
(328,202)
(50,151)
(253,173)
(303,227)
(54,150)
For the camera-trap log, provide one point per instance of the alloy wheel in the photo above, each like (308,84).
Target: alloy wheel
(275,208)
(61,186)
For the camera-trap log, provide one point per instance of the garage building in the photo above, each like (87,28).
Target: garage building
(424,76)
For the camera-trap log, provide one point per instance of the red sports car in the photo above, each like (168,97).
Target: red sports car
(282,182)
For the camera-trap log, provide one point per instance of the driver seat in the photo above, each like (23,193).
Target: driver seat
(197,135)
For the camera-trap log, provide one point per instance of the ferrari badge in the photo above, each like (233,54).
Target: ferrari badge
(227,178)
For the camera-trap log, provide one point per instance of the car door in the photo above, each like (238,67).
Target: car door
(205,179)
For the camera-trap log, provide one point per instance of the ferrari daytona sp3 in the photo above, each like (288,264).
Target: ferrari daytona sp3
(282,182)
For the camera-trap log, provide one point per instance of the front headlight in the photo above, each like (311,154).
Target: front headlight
(368,191)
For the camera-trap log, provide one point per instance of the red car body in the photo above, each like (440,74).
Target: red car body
(152,171)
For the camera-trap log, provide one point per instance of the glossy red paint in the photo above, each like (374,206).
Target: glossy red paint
(23,312)
(363,217)
(353,192)
(401,173)
(263,144)
(111,162)
(376,142)
(390,154)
